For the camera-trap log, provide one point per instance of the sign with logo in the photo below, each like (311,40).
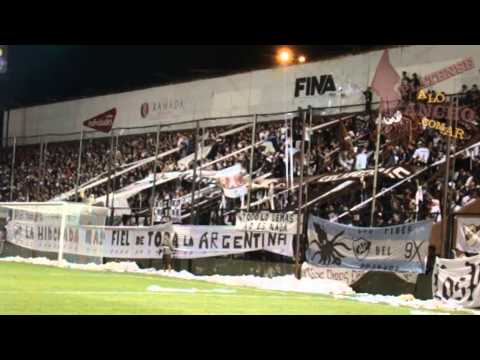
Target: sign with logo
(468,234)
(402,248)
(165,107)
(267,221)
(102,122)
(457,281)
(311,86)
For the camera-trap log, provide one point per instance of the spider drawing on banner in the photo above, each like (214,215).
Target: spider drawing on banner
(328,249)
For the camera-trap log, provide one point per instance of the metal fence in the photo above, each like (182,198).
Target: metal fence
(91,156)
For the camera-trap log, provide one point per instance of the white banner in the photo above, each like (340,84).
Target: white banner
(468,234)
(457,281)
(184,163)
(402,248)
(232,182)
(189,241)
(267,221)
(348,276)
(192,241)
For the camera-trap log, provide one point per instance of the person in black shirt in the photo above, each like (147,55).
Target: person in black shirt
(405,77)
(416,85)
(368,100)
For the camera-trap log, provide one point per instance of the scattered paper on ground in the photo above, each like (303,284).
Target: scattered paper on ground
(280,283)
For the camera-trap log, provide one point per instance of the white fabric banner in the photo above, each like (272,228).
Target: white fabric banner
(192,241)
(348,276)
(402,248)
(145,242)
(202,154)
(457,281)
(267,221)
(468,234)
(232,182)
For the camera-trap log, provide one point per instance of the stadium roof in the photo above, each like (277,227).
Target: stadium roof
(42,74)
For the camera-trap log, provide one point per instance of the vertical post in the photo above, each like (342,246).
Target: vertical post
(194,180)
(112,179)
(45,144)
(252,155)
(12,175)
(62,237)
(446,205)
(79,167)
(300,219)
(193,215)
(40,161)
(286,153)
(375,178)
(109,186)
(157,145)
(290,154)
(310,125)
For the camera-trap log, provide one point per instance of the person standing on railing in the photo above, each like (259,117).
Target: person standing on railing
(416,86)
(368,100)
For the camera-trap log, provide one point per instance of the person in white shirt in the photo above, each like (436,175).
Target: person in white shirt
(422,154)
(345,160)
(361,160)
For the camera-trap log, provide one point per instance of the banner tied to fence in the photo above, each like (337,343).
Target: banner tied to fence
(188,241)
(348,276)
(402,248)
(457,281)
(468,234)
(267,221)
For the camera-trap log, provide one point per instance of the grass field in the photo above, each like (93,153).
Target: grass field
(34,289)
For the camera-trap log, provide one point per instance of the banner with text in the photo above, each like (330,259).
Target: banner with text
(402,248)
(267,221)
(188,241)
(457,281)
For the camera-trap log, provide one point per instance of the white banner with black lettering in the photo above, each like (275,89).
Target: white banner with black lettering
(468,234)
(402,248)
(145,242)
(348,276)
(192,241)
(267,221)
(456,281)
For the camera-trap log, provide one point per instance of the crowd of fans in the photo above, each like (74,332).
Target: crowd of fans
(44,171)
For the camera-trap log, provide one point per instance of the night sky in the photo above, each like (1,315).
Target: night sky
(40,74)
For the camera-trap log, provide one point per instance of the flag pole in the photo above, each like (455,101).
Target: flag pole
(12,175)
(77,182)
(110,187)
(286,152)
(194,180)
(377,156)
(290,142)
(300,219)
(444,232)
(252,155)
(310,120)
(155,175)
